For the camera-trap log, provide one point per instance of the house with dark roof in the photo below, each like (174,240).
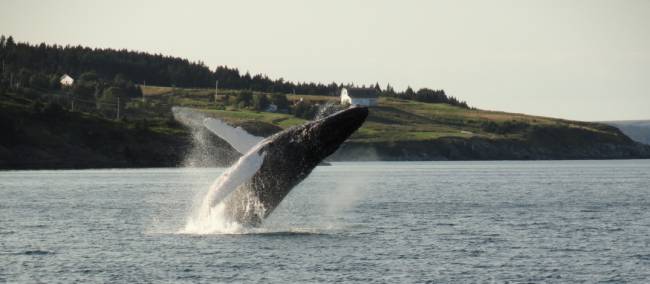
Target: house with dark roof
(359,96)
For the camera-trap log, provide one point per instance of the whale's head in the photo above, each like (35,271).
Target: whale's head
(308,144)
(324,136)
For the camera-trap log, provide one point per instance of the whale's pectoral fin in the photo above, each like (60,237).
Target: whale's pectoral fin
(240,173)
(237,137)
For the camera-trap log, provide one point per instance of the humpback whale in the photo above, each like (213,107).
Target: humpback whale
(270,167)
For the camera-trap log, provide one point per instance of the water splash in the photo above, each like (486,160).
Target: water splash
(206,149)
(211,220)
(348,192)
(202,219)
(327,109)
(206,219)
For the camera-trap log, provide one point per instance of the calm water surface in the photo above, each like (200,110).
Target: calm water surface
(552,221)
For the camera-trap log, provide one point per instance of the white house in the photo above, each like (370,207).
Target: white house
(66,80)
(359,96)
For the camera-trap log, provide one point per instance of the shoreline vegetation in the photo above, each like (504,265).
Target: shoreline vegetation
(117,114)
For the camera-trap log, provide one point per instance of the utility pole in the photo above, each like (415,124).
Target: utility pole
(144,84)
(96,94)
(118,108)
(216,90)
(71,98)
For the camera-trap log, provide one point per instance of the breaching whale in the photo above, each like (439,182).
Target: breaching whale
(270,167)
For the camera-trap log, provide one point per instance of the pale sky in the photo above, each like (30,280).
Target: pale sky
(585,60)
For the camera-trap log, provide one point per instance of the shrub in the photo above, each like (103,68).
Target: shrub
(504,127)
(244,99)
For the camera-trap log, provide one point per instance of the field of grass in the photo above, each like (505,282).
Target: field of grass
(238,116)
(393,120)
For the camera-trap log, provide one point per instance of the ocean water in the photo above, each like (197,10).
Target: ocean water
(396,222)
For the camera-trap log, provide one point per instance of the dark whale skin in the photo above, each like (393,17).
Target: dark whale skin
(290,156)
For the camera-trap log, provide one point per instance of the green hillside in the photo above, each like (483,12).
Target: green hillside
(396,119)
(401,129)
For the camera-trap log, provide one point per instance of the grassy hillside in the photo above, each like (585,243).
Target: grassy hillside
(408,130)
(398,120)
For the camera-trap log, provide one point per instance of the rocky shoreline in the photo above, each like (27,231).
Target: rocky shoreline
(458,149)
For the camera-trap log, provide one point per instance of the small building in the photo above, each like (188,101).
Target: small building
(66,80)
(272,108)
(359,96)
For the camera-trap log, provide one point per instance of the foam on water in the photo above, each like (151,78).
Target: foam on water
(208,217)
(211,220)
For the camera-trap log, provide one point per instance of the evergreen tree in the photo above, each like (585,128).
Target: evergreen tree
(244,99)
(409,92)
(54,82)
(389,90)
(110,97)
(280,101)
(10,42)
(262,102)
(39,81)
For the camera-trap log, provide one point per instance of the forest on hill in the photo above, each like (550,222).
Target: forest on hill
(40,65)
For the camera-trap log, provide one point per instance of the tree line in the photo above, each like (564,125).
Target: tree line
(42,64)
(425,95)
(139,67)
